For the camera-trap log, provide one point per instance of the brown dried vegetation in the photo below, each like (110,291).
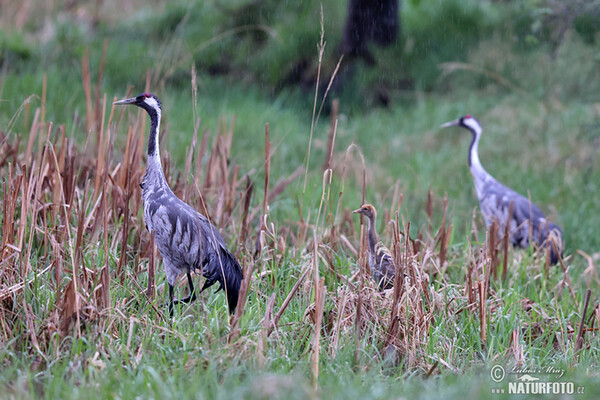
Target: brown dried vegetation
(72,223)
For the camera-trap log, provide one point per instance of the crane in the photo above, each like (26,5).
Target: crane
(526,220)
(381,261)
(185,238)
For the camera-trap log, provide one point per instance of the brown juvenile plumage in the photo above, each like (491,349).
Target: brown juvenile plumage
(381,261)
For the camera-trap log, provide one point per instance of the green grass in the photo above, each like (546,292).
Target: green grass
(540,138)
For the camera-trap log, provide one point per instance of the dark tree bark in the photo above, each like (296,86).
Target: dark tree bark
(369,20)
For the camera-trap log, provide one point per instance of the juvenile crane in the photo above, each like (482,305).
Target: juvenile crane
(185,238)
(381,261)
(495,200)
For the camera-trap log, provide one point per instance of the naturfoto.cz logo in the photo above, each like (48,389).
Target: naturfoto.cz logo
(525,382)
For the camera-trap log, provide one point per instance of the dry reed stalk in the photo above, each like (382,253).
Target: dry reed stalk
(105,221)
(125,234)
(316,350)
(16,288)
(429,210)
(443,234)
(37,187)
(579,340)
(29,318)
(517,348)
(349,245)
(337,327)
(103,293)
(244,287)
(566,278)
(59,187)
(85,76)
(262,229)
(471,300)
(99,121)
(331,137)
(399,261)
(261,346)
(127,161)
(267,169)
(100,161)
(433,367)
(11,190)
(283,183)
(591,270)
(482,311)
(149,323)
(70,306)
(287,301)
(43,106)
(505,245)
(188,161)
(358,319)
(230,184)
(81,225)
(321,50)
(57,266)
(54,173)
(210,175)
(492,247)
(319,295)
(246,197)
(33,132)
(596,314)
(200,156)
(229,200)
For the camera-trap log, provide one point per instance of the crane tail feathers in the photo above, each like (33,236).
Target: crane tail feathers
(228,273)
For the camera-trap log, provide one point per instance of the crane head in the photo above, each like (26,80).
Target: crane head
(367,210)
(466,121)
(147,101)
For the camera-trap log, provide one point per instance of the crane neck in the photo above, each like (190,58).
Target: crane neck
(474,163)
(154,176)
(372,234)
(153,150)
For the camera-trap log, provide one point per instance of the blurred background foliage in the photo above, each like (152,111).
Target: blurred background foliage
(527,68)
(272,44)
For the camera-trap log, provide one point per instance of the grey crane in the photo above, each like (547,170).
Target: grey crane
(185,238)
(526,220)
(381,261)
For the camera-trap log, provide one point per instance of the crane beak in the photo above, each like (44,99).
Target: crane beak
(451,123)
(356,211)
(125,101)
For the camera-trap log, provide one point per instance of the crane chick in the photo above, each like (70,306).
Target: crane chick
(381,261)
(185,238)
(526,219)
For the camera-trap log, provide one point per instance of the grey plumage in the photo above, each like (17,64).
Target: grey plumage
(526,220)
(185,238)
(381,261)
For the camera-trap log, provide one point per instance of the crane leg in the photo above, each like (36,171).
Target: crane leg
(171,301)
(192,296)
(188,299)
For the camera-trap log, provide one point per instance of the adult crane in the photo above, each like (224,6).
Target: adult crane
(526,220)
(185,238)
(381,261)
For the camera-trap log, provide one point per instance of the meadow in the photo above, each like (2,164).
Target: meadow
(279,168)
